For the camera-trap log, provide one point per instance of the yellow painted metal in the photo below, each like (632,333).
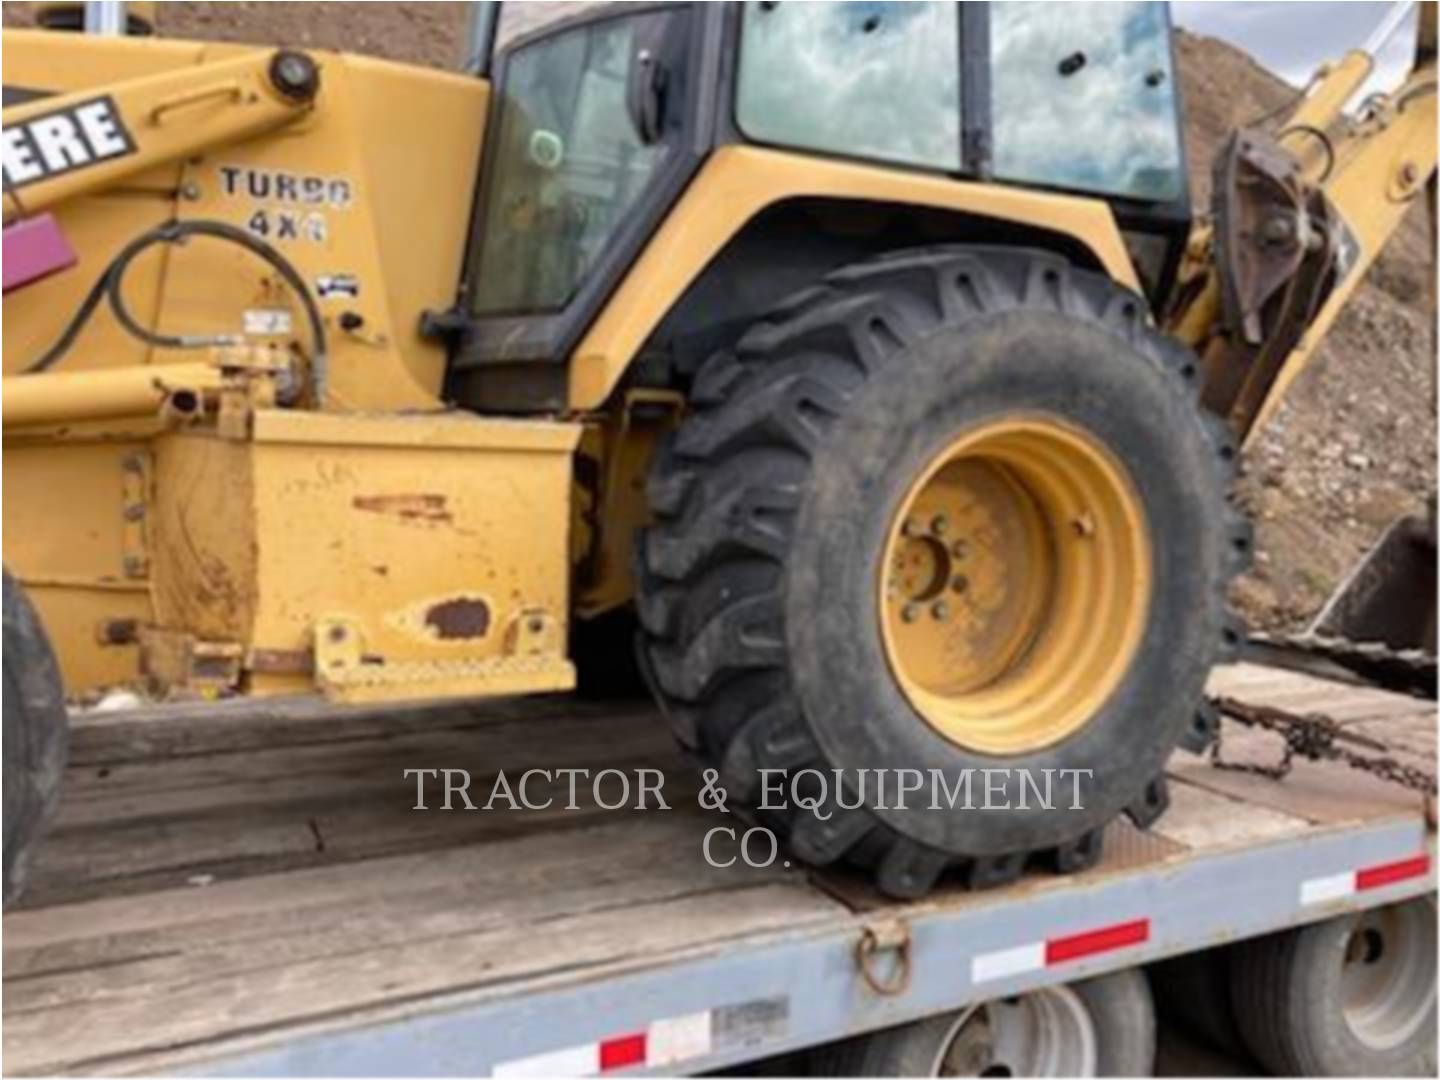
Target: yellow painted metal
(1372,165)
(610,501)
(65,538)
(737,183)
(431,538)
(1380,170)
(387,233)
(1015,584)
(59,396)
(364,233)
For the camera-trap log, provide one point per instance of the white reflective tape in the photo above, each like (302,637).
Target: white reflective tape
(1318,890)
(997,965)
(679,1038)
(572,1061)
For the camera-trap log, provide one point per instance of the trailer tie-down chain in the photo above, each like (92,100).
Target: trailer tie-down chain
(1316,737)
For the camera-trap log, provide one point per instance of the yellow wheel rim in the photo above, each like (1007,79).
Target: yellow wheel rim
(1015,585)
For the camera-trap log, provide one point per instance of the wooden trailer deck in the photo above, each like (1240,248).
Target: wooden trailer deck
(252,892)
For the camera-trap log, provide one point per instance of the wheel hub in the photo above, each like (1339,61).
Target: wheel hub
(1015,584)
(1046,1032)
(1388,979)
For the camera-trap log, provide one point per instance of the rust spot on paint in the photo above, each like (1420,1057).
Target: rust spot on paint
(459,619)
(418,507)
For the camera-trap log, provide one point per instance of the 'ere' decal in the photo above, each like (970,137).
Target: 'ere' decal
(63,141)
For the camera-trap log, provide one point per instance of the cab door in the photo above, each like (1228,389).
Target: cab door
(595,128)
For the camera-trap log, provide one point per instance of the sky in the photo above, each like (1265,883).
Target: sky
(1293,37)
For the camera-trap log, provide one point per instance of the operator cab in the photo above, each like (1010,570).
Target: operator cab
(599,122)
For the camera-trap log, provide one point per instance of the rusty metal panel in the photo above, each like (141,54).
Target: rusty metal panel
(412,556)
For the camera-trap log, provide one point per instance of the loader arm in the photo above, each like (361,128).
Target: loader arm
(58,147)
(1298,218)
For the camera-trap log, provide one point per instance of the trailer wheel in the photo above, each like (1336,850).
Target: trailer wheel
(1100,1027)
(1193,990)
(36,734)
(950,511)
(1353,996)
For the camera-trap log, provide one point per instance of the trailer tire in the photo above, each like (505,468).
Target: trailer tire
(36,734)
(1099,1027)
(1351,996)
(775,508)
(1194,991)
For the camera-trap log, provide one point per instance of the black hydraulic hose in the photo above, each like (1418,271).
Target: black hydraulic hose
(110,286)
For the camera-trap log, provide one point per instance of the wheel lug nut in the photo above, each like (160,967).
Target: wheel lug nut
(911,612)
(939,525)
(941,610)
(960,549)
(911,527)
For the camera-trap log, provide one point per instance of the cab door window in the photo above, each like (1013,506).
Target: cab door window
(569,162)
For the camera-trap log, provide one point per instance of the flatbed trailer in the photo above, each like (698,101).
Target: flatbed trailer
(250,893)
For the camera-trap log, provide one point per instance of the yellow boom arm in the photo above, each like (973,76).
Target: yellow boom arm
(1300,216)
(61,146)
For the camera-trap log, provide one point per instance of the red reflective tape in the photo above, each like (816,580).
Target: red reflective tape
(1388,873)
(626,1050)
(1058,950)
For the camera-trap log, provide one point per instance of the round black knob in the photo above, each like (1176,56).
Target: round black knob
(295,75)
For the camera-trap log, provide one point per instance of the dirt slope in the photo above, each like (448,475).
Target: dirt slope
(1352,447)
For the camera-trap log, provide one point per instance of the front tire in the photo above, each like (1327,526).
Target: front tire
(36,734)
(775,605)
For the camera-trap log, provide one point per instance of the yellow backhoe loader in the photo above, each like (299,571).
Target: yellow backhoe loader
(861,363)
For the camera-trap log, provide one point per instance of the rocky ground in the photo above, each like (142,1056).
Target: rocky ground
(1352,447)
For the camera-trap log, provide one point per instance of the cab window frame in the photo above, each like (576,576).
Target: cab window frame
(516,361)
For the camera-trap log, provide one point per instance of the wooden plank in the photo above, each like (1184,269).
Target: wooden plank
(172,731)
(204,1007)
(510,741)
(151,825)
(1325,793)
(1295,692)
(1203,820)
(523,886)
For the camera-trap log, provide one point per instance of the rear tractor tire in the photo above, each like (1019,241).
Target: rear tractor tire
(952,509)
(35,737)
